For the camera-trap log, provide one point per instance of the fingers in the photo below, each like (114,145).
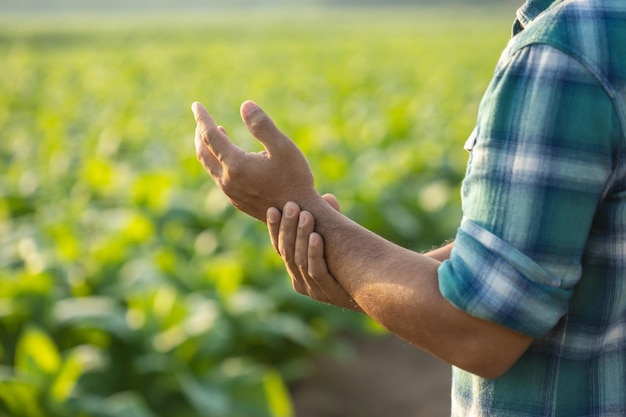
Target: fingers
(332,200)
(315,255)
(273,226)
(302,250)
(322,279)
(286,243)
(292,241)
(262,127)
(288,230)
(211,135)
(206,158)
(306,225)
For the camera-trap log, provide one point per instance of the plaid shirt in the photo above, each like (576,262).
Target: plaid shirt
(542,245)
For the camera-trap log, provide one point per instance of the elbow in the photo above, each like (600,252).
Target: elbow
(486,370)
(491,361)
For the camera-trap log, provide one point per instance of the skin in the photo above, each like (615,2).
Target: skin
(332,259)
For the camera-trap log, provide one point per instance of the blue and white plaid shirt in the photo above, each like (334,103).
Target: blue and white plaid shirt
(542,246)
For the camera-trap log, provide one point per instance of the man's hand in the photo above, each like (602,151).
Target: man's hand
(397,287)
(253,182)
(293,237)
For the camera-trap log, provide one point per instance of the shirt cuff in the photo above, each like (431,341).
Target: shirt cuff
(490,279)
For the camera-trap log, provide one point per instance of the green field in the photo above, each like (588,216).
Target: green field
(128,285)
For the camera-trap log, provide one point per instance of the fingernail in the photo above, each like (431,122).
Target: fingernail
(248,107)
(289,211)
(301,221)
(271,215)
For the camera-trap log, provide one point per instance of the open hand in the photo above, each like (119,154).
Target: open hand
(253,182)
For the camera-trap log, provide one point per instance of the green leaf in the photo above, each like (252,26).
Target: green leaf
(21,398)
(278,399)
(37,355)
(79,361)
(259,391)
(98,173)
(227,273)
(152,189)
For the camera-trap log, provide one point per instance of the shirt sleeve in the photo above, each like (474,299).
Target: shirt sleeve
(540,157)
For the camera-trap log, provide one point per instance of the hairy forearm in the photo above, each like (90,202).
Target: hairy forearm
(442,253)
(399,289)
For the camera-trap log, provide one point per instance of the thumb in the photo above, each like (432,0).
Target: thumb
(332,200)
(261,126)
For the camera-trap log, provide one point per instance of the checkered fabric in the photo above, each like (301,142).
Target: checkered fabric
(542,245)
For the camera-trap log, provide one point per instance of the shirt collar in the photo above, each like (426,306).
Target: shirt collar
(529,12)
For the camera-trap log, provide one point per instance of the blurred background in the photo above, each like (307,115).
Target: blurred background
(130,287)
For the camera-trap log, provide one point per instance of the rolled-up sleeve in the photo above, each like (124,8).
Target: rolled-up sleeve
(540,159)
(492,280)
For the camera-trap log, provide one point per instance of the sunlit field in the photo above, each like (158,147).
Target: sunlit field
(128,285)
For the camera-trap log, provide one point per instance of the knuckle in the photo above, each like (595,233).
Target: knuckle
(204,160)
(299,287)
(224,184)
(203,132)
(284,252)
(200,153)
(260,122)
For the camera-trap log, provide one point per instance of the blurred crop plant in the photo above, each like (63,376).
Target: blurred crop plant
(128,286)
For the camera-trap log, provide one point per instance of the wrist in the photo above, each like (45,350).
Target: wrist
(316,205)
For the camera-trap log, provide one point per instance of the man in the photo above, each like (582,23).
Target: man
(529,302)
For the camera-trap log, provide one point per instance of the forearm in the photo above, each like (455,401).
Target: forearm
(442,253)
(396,287)
(399,289)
